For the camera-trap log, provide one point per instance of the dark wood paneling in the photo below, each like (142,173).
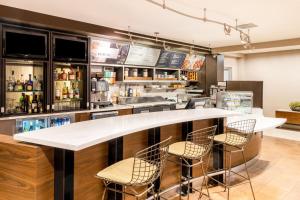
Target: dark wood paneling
(125,112)
(292,117)
(171,174)
(8,127)
(26,171)
(79,117)
(255,86)
(214,71)
(88,163)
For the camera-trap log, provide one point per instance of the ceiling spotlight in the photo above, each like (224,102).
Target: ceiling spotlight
(156,36)
(164,4)
(130,36)
(227,29)
(244,38)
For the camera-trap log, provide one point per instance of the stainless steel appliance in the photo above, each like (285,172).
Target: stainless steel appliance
(100,115)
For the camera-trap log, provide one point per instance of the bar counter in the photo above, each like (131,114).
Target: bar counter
(78,151)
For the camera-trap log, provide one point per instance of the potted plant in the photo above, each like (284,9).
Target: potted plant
(295,106)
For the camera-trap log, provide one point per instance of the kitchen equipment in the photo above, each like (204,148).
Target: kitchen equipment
(100,115)
(31,124)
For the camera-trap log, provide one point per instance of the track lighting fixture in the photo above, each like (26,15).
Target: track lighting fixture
(245,37)
(156,36)
(130,36)
(227,29)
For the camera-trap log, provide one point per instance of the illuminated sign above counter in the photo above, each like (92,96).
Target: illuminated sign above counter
(106,51)
(142,55)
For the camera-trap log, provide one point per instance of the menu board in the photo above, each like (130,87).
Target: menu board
(170,59)
(107,51)
(142,55)
(193,62)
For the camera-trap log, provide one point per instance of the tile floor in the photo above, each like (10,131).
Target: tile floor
(275,175)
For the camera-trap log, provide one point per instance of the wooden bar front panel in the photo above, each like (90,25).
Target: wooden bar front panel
(26,171)
(87,164)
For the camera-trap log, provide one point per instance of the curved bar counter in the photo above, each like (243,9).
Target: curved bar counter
(71,155)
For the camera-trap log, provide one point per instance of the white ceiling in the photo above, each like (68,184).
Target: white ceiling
(276,19)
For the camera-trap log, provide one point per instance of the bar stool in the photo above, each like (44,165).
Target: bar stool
(139,171)
(237,136)
(196,146)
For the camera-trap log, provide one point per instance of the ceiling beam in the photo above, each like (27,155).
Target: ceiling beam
(260,45)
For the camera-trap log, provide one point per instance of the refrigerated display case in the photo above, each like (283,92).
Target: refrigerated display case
(31,124)
(61,120)
(236,100)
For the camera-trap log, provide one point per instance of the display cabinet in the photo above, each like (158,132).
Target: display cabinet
(235,100)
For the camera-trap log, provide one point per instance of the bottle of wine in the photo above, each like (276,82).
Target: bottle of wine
(65,91)
(29,84)
(78,74)
(22,84)
(22,102)
(71,93)
(34,104)
(64,75)
(71,74)
(40,104)
(76,91)
(57,92)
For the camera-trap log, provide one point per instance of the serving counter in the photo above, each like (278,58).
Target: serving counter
(78,151)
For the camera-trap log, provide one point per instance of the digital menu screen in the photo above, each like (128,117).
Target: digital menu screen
(107,51)
(193,62)
(170,59)
(142,55)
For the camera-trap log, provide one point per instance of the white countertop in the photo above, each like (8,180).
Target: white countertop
(82,135)
(262,123)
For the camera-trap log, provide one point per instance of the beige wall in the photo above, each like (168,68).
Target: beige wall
(280,72)
(233,63)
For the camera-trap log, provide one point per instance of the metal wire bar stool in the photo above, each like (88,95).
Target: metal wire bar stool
(237,135)
(197,145)
(139,171)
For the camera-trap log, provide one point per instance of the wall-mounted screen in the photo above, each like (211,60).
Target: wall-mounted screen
(171,59)
(142,55)
(106,51)
(70,49)
(24,44)
(193,62)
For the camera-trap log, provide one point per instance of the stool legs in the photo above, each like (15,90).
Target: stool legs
(246,168)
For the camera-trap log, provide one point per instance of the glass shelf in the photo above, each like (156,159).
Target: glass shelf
(68,80)
(25,91)
(67,100)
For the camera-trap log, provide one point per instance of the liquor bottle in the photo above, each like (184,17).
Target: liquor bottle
(57,92)
(22,83)
(71,74)
(18,86)
(55,75)
(40,104)
(34,104)
(64,75)
(70,93)
(34,82)
(38,85)
(78,74)
(65,91)
(29,84)
(11,82)
(76,91)
(29,106)
(22,102)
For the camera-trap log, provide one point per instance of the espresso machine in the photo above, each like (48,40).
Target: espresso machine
(99,92)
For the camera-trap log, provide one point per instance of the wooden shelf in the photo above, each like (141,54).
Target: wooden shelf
(166,79)
(128,78)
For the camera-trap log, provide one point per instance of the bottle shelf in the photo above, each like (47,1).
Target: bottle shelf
(68,80)
(25,91)
(68,100)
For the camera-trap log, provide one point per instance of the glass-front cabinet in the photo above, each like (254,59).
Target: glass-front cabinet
(69,91)
(24,87)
